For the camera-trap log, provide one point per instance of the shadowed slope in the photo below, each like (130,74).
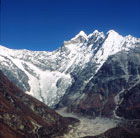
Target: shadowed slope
(23,116)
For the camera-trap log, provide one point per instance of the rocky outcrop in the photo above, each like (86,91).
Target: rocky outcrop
(22,116)
(130,106)
(129,111)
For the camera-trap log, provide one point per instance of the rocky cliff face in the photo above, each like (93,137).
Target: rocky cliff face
(106,89)
(22,116)
(129,111)
(130,105)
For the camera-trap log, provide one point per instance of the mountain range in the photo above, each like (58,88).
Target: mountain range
(95,75)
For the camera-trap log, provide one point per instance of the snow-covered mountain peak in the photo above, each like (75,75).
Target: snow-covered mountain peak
(111,32)
(96,35)
(95,31)
(113,36)
(80,34)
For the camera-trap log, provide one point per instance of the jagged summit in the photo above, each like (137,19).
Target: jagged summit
(82,34)
(111,32)
(83,37)
(95,31)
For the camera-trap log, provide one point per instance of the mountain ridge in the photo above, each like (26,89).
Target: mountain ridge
(94,76)
(59,68)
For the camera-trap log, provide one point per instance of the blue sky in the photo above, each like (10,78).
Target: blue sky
(45,24)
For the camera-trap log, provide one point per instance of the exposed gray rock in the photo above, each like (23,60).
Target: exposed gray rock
(120,72)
